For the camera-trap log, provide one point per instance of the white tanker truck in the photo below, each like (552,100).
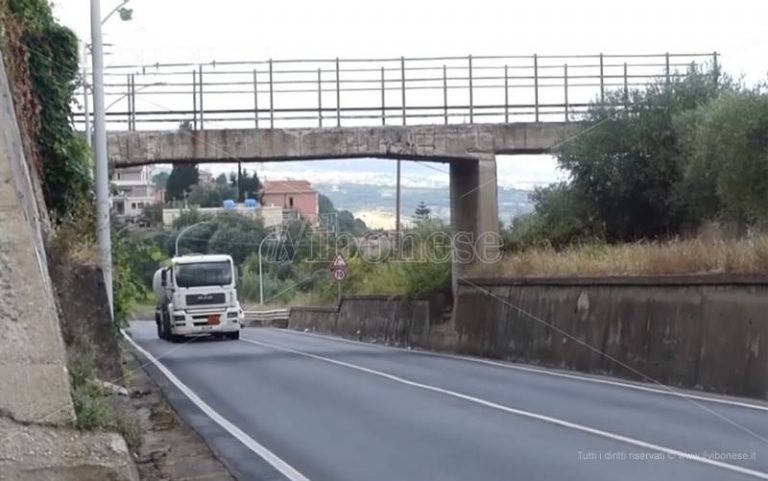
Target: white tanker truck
(197,295)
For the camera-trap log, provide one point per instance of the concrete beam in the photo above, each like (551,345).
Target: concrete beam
(420,142)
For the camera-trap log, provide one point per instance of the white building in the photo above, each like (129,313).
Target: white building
(135,191)
(271,215)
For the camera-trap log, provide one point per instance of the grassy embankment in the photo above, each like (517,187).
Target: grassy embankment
(681,257)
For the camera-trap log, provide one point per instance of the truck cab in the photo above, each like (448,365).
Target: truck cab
(197,295)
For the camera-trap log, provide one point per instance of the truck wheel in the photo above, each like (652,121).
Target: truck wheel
(234,335)
(159,329)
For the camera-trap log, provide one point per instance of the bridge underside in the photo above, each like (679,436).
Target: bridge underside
(469,149)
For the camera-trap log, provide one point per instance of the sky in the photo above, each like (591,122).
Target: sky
(198,31)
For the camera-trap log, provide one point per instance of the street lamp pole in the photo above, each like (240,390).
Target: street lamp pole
(101,168)
(183,231)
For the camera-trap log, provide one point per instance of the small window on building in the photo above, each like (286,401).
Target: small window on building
(133,205)
(290,202)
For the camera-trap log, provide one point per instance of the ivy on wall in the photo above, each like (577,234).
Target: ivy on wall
(49,53)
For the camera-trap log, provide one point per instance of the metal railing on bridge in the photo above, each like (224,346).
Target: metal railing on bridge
(387,91)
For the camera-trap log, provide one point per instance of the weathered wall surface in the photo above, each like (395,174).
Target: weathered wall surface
(33,374)
(386,318)
(84,313)
(435,142)
(704,332)
(37,436)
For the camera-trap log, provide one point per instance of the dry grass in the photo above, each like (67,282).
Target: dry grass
(696,256)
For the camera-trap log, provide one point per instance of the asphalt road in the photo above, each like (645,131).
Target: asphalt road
(325,409)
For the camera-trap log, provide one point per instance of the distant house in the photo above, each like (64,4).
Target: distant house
(295,195)
(135,191)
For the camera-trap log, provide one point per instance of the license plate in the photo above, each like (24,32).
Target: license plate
(205,328)
(213,320)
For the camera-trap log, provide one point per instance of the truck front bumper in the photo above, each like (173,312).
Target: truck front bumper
(197,323)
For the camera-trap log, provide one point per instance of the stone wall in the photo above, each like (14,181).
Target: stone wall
(705,332)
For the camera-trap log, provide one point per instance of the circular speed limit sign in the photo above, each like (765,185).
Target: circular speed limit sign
(339,274)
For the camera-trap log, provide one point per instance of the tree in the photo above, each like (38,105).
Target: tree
(349,224)
(249,186)
(343,220)
(727,143)
(628,163)
(153,214)
(561,217)
(221,179)
(160,179)
(210,195)
(325,206)
(421,214)
(236,235)
(181,180)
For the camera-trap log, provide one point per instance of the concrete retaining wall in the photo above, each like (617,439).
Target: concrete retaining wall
(707,332)
(391,319)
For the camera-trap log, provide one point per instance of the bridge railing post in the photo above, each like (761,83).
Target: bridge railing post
(626,86)
(383,98)
(506,94)
(128,97)
(667,70)
(271,97)
(133,101)
(536,86)
(194,99)
(200,85)
(445,94)
(602,82)
(402,86)
(338,93)
(471,93)
(565,84)
(256,97)
(319,97)
(715,69)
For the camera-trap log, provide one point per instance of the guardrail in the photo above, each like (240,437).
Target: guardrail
(358,92)
(267,317)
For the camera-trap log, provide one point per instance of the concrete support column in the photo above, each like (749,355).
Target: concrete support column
(474,214)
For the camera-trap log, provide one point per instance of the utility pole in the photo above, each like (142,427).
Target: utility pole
(101,169)
(397,208)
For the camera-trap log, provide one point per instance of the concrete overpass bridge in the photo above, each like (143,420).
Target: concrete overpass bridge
(463,111)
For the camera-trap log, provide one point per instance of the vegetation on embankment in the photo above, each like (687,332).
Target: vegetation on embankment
(691,256)
(42,61)
(652,167)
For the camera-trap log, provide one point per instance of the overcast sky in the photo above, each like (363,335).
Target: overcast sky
(201,31)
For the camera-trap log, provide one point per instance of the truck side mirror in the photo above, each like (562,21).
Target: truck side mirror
(163,281)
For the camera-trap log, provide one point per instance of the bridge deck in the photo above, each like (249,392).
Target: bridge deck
(438,143)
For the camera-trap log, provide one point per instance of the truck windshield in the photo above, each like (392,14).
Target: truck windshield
(204,274)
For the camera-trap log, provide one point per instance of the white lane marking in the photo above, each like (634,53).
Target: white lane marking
(667,392)
(531,415)
(287,470)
